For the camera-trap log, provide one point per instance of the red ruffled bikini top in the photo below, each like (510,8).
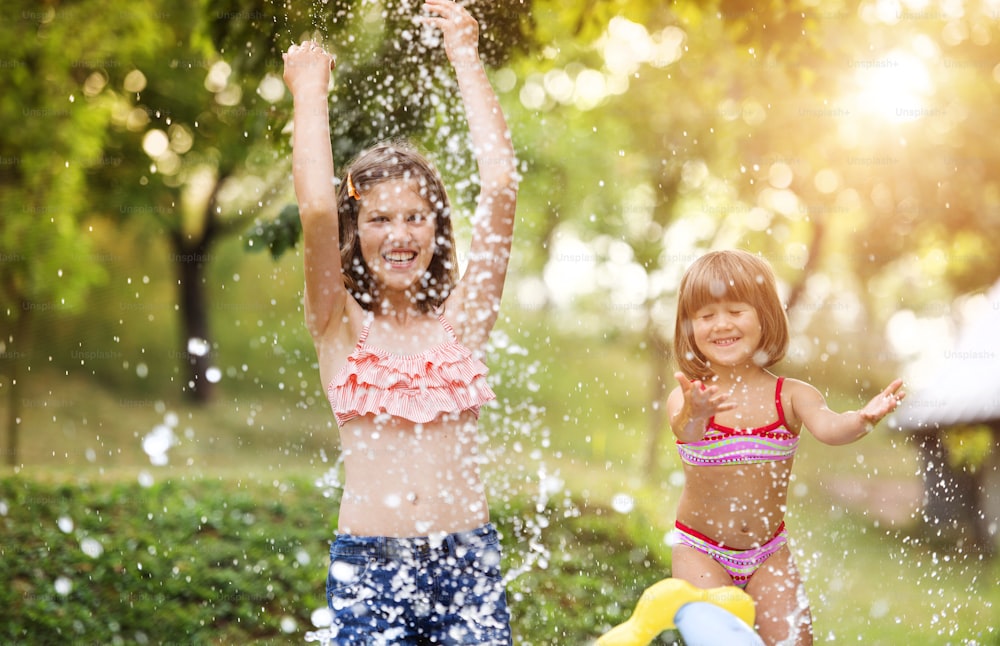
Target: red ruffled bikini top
(416,387)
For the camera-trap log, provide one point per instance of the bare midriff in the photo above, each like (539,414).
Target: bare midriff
(405,479)
(752,498)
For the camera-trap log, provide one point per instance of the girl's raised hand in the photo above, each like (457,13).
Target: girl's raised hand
(883,403)
(702,402)
(307,68)
(459,29)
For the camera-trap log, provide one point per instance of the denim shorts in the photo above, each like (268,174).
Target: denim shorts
(423,590)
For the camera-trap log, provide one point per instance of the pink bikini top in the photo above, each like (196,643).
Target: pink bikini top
(416,387)
(722,445)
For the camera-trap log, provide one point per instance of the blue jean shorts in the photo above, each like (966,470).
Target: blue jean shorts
(421,590)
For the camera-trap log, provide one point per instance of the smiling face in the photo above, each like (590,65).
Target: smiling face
(393,179)
(747,321)
(396,228)
(727,333)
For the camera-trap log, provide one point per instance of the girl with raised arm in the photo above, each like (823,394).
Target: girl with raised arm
(400,341)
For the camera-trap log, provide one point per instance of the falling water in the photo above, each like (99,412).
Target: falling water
(513,438)
(417,97)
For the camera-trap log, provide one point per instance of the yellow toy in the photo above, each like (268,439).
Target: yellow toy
(659,603)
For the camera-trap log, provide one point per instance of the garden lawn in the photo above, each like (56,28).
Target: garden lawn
(223,561)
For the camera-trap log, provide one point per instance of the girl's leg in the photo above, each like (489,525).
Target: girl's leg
(698,568)
(783,616)
(470,600)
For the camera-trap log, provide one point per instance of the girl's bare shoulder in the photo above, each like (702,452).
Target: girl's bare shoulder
(796,397)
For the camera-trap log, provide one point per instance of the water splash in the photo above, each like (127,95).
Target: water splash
(512,470)
(393,80)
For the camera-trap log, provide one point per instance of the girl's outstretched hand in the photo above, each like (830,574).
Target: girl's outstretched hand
(883,403)
(307,68)
(702,402)
(459,29)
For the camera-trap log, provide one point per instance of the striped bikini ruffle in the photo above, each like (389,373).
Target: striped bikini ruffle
(418,387)
(721,448)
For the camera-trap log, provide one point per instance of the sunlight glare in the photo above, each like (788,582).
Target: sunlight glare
(894,87)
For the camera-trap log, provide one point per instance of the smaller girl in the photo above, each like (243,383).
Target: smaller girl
(737,427)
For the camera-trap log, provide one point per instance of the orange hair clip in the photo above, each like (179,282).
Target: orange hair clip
(351,189)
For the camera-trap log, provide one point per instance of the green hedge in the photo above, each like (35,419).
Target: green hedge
(209,562)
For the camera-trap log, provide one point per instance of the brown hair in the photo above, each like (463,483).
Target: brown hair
(382,163)
(731,275)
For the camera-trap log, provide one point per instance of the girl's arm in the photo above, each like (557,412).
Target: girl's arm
(691,405)
(830,427)
(479,291)
(307,75)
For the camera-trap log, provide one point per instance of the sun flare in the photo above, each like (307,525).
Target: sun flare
(895,87)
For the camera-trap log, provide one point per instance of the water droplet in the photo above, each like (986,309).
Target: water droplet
(158,441)
(91,547)
(321,617)
(623,503)
(197,347)
(63,586)
(342,572)
(879,608)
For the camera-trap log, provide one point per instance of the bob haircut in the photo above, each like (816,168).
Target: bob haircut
(730,275)
(386,162)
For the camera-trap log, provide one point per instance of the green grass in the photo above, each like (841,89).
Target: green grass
(197,562)
(213,561)
(210,561)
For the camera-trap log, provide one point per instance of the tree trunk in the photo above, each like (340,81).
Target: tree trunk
(658,419)
(191,257)
(17,351)
(809,267)
(953,507)
(191,263)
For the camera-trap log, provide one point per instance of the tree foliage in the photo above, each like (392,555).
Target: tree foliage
(834,140)
(58,120)
(843,143)
(849,144)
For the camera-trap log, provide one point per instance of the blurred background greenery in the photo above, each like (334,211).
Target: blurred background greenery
(151,288)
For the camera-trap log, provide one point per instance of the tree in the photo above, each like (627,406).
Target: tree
(58,120)
(195,139)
